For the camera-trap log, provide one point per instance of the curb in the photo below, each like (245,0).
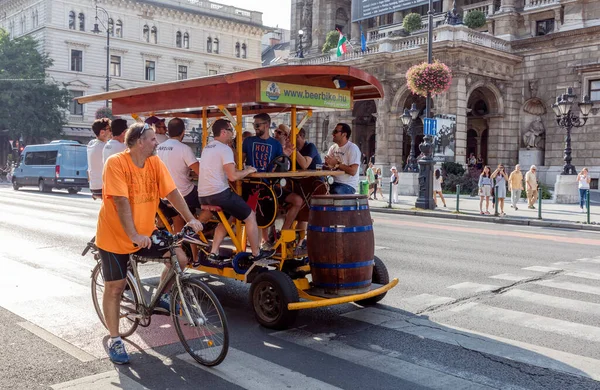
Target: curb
(490,219)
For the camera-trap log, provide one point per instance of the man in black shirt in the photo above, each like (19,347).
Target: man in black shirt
(307,155)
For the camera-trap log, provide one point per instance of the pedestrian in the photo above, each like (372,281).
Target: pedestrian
(437,187)
(102,131)
(479,162)
(379,178)
(371,181)
(515,186)
(583,182)
(472,161)
(499,175)
(485,190)
(394,179)
(532,187)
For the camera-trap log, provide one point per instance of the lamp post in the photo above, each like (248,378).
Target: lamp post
(567,120)
(96,30)
(408,120)
(426,163)
(300,36)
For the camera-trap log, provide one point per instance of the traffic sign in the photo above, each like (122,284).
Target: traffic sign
(429,126)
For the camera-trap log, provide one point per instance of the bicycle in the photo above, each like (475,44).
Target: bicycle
(193,305)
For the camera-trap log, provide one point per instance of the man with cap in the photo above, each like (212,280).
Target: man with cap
(159,127)
(102,131)
(117,143)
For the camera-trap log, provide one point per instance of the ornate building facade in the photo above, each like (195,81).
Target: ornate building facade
(506,76)
(150,42)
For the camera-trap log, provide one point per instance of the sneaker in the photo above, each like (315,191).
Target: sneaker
(582,211)
(512,207)
(117,353)
(213,258)
(516,208)
(263,254)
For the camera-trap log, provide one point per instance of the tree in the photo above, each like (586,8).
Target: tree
(331,41)
(474,19)
(31,106)
(104,112)
(412,22)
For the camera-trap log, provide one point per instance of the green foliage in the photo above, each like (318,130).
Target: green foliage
(474,19)
(30,106)
(468,184)
(546,194)
(452,168)
(331,41)
(104,112)
(412,22)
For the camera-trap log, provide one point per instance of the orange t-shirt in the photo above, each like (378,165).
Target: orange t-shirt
(143,187)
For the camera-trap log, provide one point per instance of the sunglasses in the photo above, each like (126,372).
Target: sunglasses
(334,132)
(279,132)
(146,127)
(257,125)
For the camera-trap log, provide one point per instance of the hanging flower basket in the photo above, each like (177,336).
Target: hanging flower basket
(434,78)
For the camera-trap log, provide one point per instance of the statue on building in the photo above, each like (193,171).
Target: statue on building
(452,17)
(534,136)
(306,23)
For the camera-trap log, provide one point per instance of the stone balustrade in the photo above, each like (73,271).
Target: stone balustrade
(487,7)
(529,4)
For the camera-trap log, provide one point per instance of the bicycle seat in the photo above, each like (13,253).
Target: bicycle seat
(211,208)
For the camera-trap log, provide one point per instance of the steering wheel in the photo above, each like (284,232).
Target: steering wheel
(280,164)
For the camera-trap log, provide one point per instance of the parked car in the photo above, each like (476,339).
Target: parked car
(61,164)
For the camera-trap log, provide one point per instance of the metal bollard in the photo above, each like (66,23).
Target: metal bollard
(539,203)
(587,204)
(457,197)
(496,202)
(390,202)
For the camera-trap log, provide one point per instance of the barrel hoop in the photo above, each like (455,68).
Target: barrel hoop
(343,265)
(338,202)
(335,229)
(338,208)
(343,285)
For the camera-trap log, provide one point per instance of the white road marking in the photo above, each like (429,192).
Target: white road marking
(473,287)
(538,268)
(103,381)
(584,288)
(553,301)
(510,277)
(59,343)
(584,275)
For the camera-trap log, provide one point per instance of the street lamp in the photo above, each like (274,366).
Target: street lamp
(567,120)
(96,30)
(300,35)
(408,120)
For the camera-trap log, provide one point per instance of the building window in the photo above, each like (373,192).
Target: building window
(72,20)
(178,39)
(119,29)
(111,27)
(186,40)
(244,52)
(216,46)
(543,27)
(74,107)
(209,45)
(115,66)
(34,18)
(154,34)
(182,72)
(150,71)
(23,25)
(146,33)
(76,60)
(212,72)
(11,29)
(81,22)
(237,49)
(594,90)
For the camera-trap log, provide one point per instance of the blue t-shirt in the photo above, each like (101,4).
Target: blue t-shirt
(310,150)
(260,152)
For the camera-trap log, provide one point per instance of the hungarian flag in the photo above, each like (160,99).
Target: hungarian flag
(341,48)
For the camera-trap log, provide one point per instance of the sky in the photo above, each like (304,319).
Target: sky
(275,12)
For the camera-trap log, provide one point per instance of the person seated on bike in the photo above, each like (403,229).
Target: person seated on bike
(258,152)
(132,183)
(216,171)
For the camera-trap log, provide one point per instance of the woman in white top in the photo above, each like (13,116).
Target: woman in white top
(583,182)
(437,187)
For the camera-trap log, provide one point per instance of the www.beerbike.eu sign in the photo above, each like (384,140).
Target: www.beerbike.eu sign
(303,95)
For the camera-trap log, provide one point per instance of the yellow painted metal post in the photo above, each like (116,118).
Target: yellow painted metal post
(204,128)
(238,186)
(293,135)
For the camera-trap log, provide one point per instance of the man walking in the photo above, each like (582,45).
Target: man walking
(371,179)
(101,129)
(515,186)
(532,187)
(117,143)
(344,156)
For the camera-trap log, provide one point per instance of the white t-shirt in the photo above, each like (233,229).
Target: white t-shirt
(582,182)
(178,157)
(95,163)
(161,138)
(212,174)
(348,154)
(112,147)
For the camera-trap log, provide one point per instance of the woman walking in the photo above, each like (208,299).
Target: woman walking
(583,182)
(437,187)
(485,190)
(501,178)
(379,178)
(394,179)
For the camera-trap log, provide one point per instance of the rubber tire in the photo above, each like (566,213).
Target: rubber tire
(73,191)
(130,283)
(43,187)
(281,284)
(14,184)
(380,276)
(220,311)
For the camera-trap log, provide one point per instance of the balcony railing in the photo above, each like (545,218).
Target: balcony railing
(529,4)
(487,7)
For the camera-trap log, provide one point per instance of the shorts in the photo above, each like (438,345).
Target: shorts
(231,203)
(281,194)
(485,190)
(191,200)
(340,189)
(97,193)
(114,266)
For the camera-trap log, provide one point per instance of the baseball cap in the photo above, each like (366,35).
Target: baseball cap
(153,120)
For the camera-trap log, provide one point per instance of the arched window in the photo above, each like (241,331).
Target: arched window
(81,21)
(216,45)
(72,20)
(237,49)
(154,34)
(119,29)
(146,33)
(178,39)
(186,40)
(209,45)
(111,27)
(36,20)
(244,52)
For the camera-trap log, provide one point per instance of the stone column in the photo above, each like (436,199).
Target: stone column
(355,32)
(458,106)
(398,17)
(508,5)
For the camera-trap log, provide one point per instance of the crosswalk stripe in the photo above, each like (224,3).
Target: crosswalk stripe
(538,268)
(553,301)
(253,373)
(578,287)
(584,275)
(510,277)
(387,363)
(490,344)
(104,381)
(473,287)
(533,321)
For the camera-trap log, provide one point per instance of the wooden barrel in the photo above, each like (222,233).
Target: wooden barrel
(340,243)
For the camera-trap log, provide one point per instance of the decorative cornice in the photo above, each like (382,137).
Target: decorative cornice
(118,50)
(77,83)
(525,44)
(213,65)
(151,55)
(185,60)
(75,43)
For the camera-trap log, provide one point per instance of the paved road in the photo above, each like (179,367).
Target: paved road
(478,306)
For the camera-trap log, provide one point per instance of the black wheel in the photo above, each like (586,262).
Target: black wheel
(73,191)
(43,187)
(14,184)
(380,276)
(128,323)
(270,294)
(207,339)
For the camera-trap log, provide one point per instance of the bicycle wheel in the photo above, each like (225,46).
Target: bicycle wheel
(128,323)
(207,340)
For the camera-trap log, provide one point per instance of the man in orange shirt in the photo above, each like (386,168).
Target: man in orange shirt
(133,181)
